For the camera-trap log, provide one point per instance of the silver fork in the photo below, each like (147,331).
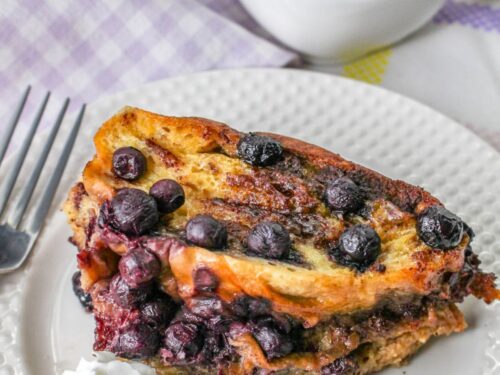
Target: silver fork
(16,240)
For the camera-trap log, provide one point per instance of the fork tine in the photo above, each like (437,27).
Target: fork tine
(13,122)
(25,196)
(45,202)
(18,163)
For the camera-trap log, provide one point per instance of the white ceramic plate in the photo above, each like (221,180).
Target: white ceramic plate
(43,330)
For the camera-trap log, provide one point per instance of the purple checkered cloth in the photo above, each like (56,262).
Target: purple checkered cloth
(477,15)
(85,49)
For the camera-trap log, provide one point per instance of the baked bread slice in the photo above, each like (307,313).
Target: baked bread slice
(205,250)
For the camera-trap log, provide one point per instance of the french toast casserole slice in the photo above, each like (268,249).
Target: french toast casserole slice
(205,250)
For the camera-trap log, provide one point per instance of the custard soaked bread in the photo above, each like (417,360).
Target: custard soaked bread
(205,250)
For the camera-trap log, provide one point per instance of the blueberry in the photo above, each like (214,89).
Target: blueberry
(259,150)
(205,280)
(273,343)
(215,349)
(439,228)
(137,341)
(138,267)
(207,307)
(185,315)
(183,340)
(359,247)
(248,307)
(343,195)
(158,312)
(129,163)
(460,282)
(168,194)
(269,240)
(341,366)
(219,323)
(84,298)
(132,211)
(125,296)
(275,320)
(205,231)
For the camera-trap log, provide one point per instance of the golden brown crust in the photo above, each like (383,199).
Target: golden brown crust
(213,135)
(407,197)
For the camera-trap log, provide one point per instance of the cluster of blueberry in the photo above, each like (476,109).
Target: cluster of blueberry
(133,212)
(359,246)
(194,334)
(140,337)
(200,332)
(148,310)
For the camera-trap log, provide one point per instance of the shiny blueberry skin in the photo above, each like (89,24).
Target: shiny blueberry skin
(128,163)
(84,298)
(158,312)
(269,240)
(137,341)
(205,231)
(205,280)
(132,211)
(138,267)
(359,247)
(169,195)
(272,342)
(439,228)
(259,150)
(125,296)
(183,340)
(343,195)
(207,307)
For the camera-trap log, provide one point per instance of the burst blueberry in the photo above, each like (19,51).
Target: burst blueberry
(273,343)
(183,340)
(439,228)
(125,296)
(207,307)
(138,267)
(137,341)
(128,163)
(259,150)
(158,312)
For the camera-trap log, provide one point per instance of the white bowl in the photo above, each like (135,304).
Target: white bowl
(334,31)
